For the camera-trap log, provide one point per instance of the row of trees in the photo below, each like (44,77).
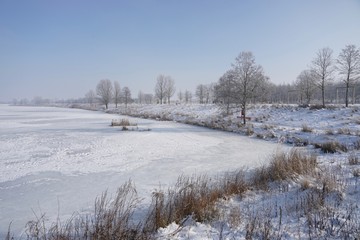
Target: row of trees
(107,92)
(246,82)
(322,71)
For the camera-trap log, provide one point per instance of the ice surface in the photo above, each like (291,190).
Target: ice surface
(57,161)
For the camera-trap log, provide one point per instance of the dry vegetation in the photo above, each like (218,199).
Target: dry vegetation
(315,201)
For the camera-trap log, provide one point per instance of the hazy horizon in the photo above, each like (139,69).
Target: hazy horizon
(62,49)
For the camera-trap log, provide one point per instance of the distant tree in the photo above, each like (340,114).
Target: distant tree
(201,92)
(117,93)
(148,98)
(249,78)
(348,65)
(90,97)
(180,96)
(160,88)
(104,90)
(188,96)
(322,67)
(140,97)
(209,93)
(169,88)
(225,92)
(126,93)
(305,85)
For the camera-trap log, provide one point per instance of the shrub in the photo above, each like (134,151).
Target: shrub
(331,147)
(353,159)
(345,131)
(329,131)
(316,107)
(122,123)
(306,128)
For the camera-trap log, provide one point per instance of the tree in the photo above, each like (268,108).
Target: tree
(140,97)
(348,65)
(201,93)
(90,97)
(225,93)
(169,88)
(104,90)
(305,85)
(188,96)
(148,97)
(126,96)
(248,78)
(117,93)
(180,96)
(160,88)
(322,67)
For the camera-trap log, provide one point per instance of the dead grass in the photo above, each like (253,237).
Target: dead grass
(284,166)
(306,128)
(198,196)
(112,219)
(122,123)
(331,147)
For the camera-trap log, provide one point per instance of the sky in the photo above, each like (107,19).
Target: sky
(61,49)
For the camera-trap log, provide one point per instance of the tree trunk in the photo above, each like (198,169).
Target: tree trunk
(323,94)
(347,94)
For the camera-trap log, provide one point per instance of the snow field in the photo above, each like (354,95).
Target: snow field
(57,161)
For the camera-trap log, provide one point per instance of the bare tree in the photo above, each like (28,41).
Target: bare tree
(305,85)
(90,97)
(201,93)
(209,94)
(322,66)
(169,88)
(126,93)
(160,88)
(104,90)
(348,65)
(188,96)
(249,77)
(117,93)
(180,96)
(140,97)
(225,90)
(148,98)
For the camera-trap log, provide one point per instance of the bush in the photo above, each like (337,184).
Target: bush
(122,123)
(331,147)
(306,128)
(353,159)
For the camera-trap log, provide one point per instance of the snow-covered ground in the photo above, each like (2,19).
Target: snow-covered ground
(57,161)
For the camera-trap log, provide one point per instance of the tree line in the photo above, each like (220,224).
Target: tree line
(245,82)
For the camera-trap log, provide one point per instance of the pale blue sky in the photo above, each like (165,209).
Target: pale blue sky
(61,49)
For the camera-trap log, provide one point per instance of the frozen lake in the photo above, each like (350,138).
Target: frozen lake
(57,161)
